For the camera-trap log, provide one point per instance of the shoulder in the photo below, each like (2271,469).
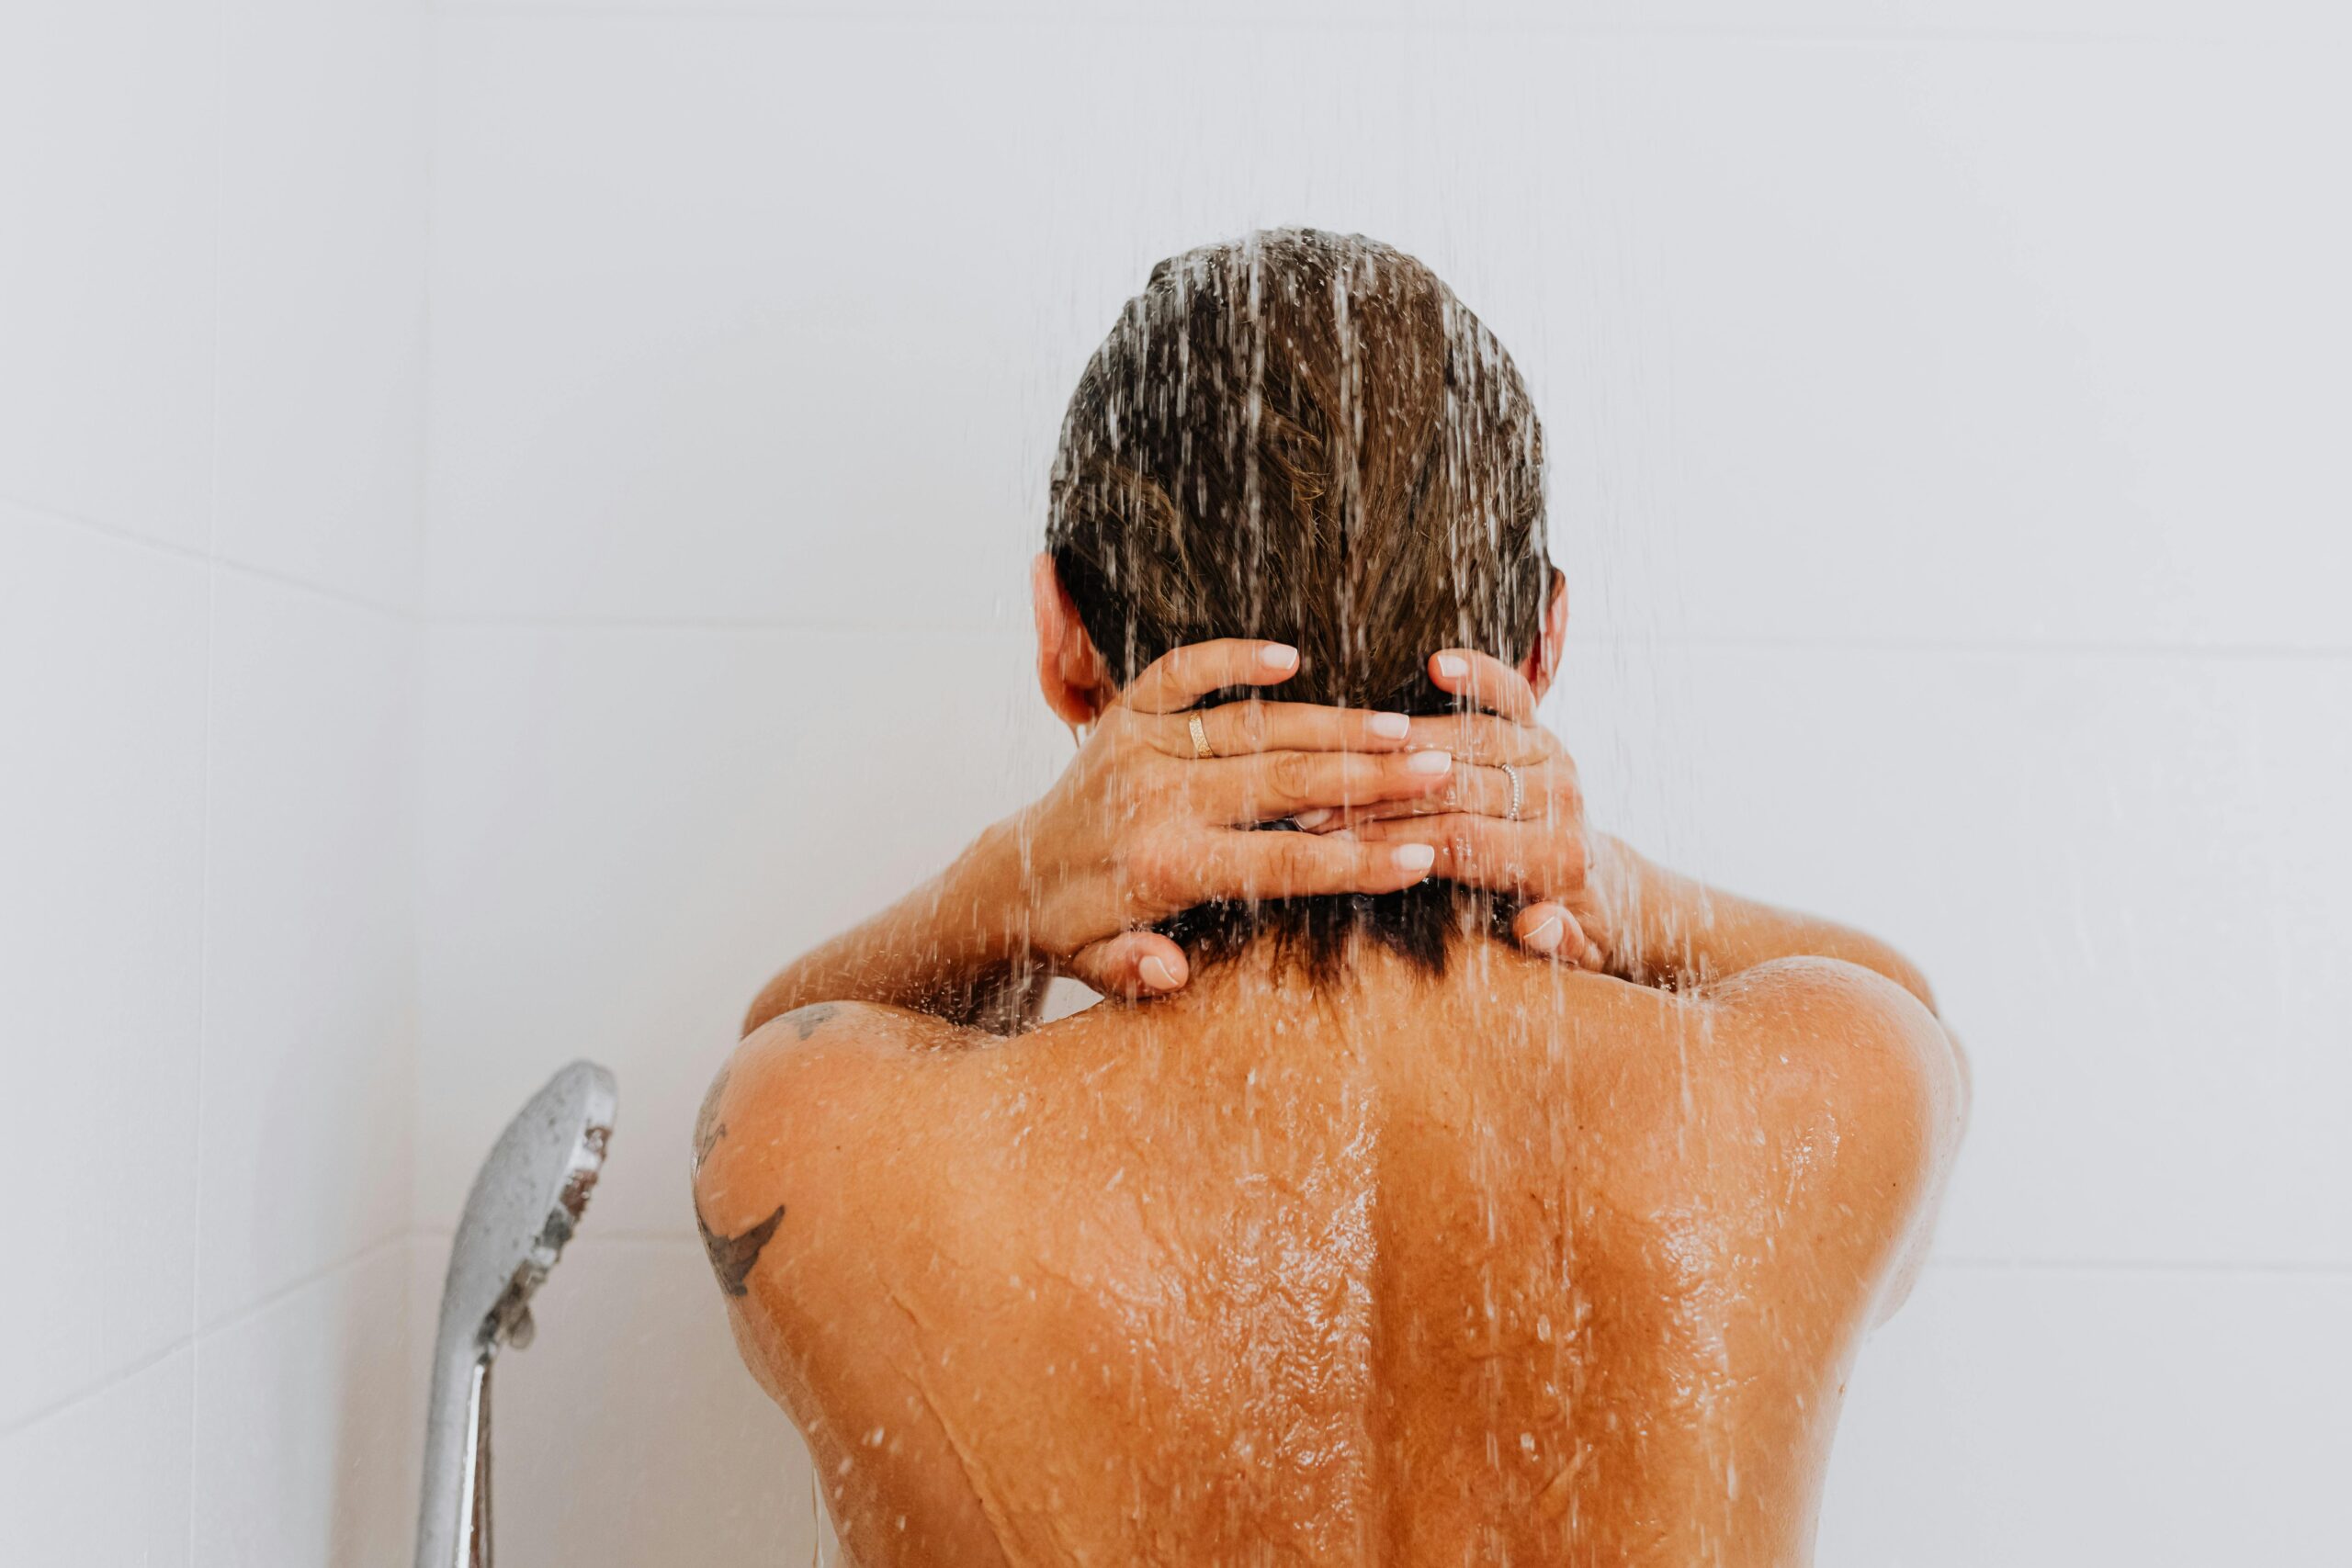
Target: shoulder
(821,1155)
(791,1114)
(1837,1021)
(1862,1082)
(828,1041)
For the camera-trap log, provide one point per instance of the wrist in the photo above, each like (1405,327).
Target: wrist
(1616,876)
(982,888)
(1614,870)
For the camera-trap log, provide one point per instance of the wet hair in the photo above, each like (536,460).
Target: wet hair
(1307,437)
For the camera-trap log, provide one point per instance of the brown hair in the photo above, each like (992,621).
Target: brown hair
(1305,436)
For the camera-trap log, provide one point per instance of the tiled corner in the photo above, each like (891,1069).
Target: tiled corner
(310,1031)
(308,1431)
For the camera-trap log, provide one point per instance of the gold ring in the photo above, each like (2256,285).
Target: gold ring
(1518,791)
(1201,750)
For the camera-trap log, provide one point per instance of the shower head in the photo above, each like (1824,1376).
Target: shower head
(526,1203)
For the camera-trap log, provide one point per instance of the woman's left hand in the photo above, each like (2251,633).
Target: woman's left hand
(1546,853)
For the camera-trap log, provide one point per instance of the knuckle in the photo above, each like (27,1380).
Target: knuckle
(1155,870)
(1291,778)
(1576,862)
(1294,855)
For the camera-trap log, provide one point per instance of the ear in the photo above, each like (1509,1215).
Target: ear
(1542,660)
(1072,674)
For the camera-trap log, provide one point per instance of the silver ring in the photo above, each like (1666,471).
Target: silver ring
(1201,750)
(1518,791)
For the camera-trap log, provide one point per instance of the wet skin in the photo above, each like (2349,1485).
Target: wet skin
(1523,1265)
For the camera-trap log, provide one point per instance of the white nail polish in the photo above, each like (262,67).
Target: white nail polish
(1278,655)
(1389,726)
(1452,666)
(1308,821)
(1156,975)
(1545,938)
(1429,762)
(1415,857)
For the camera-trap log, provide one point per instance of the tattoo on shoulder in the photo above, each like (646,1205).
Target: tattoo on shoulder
(807,1020)
(732,1257)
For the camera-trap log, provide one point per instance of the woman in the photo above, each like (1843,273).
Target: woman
(1444,1182)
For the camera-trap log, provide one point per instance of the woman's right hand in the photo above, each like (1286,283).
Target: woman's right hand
(1141,825)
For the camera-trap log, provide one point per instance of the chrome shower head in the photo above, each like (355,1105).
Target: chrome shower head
(526,1203)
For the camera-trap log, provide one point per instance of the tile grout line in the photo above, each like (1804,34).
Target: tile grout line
(263,1302)
(206,558)
(1531,25)
(219,128)
(89,1391)
(2266,1269)
(189,1341)
(419,737)
(2017,648)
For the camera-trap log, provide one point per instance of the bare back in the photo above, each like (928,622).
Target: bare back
(1517,1266)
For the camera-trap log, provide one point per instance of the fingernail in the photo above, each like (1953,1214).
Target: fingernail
(1278,655)
(1389,726)
(1314,818)
(1156,975)
(1415,858)
(1429,762)
(1545,938)
(1452,666)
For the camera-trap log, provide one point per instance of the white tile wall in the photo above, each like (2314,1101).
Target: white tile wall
(2047,1418)
(1974,358)
(1950,350)
(1804,19)
(105,1482)
(322,315)
(307,1432)
(103,643)
(109,131)
(308,1022)
(774,256)
(211,295)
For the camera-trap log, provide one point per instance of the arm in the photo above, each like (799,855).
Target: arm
(945,948)
(1669,929)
